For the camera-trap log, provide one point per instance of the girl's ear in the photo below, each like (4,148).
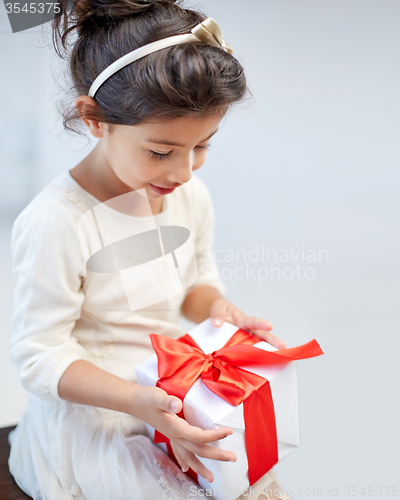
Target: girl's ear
(83,105)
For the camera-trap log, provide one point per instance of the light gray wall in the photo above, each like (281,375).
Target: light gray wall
(311,165)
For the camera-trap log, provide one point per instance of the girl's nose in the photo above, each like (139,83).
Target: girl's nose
(182,170)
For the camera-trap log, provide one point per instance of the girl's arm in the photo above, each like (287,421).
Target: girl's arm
(85,383)
(197,304)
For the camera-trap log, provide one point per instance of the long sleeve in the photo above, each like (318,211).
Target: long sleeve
(48,270)
(207,269)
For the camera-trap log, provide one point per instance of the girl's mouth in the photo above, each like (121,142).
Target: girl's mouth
(160,190)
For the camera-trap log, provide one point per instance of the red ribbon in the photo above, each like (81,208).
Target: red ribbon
(181,362)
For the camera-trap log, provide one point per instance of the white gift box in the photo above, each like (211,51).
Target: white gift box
(202,408)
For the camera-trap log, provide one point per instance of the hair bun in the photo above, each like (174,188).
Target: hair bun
(106,11)
(85,16)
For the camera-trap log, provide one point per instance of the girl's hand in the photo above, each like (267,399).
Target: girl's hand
(222,310)
(154,406)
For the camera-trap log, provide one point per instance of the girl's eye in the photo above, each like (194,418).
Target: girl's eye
(160,156)
(164,156)
(204,148)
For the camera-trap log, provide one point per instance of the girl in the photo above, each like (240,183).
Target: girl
(76,337)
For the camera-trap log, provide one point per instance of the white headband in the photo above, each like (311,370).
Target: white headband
(207,31)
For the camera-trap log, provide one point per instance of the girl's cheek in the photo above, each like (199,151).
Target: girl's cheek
(200,161)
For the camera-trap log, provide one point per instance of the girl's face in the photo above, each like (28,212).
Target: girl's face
(158,156)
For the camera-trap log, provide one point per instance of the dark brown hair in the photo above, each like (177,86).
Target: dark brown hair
(190,79)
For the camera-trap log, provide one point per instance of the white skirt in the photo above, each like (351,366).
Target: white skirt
(67,451)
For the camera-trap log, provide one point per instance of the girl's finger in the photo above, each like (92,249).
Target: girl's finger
(211,452)
(252,323)
(174,404)
(218,312)
(271,339)
(196,434)
(196,465)
(165,402)
(182,464)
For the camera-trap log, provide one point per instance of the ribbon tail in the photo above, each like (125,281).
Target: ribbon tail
(160,438)
(260,434)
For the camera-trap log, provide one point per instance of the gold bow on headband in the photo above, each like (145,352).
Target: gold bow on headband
(208,31)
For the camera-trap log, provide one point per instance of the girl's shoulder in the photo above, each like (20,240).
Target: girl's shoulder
(62,193)
(59,205)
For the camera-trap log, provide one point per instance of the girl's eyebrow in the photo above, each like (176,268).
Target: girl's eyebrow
(168,143)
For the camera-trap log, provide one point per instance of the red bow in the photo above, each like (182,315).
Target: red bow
(181,362)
